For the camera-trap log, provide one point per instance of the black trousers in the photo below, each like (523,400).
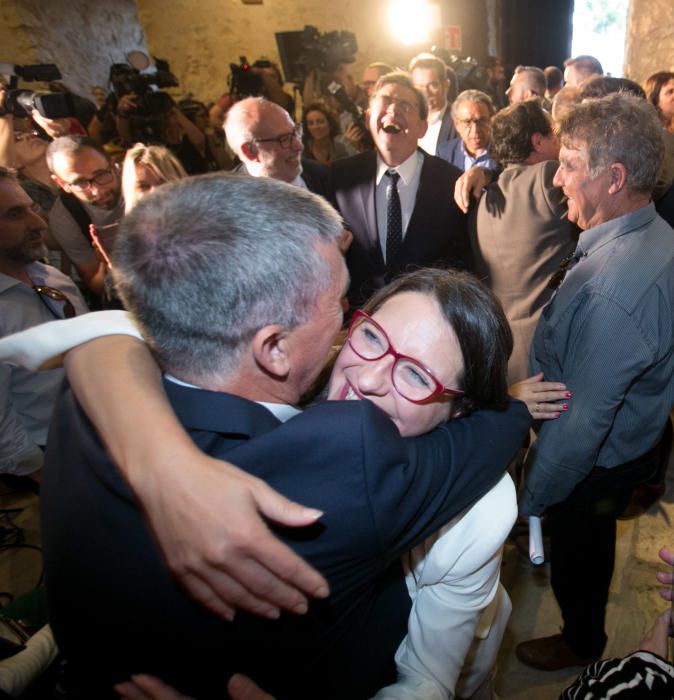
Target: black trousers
(582,533)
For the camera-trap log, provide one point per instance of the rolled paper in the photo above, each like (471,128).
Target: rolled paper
(535,540)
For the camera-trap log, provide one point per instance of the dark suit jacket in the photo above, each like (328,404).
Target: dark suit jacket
(314,174)
(436,235)
(115,609)
(447,130)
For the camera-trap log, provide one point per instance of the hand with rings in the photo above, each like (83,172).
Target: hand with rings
(545,400)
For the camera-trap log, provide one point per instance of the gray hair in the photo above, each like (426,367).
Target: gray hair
(618,128)
(404,80)
(473,96)
(72,146)
(205,262)
(536,80)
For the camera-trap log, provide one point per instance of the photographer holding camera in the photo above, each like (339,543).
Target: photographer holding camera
(144,114)
(261,79)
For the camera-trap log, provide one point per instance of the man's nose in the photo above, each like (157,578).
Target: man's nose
(557,179)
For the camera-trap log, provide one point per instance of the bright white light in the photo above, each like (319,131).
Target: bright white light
(410,21)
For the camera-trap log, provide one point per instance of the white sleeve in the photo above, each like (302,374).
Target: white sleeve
(35,346)
(455,579)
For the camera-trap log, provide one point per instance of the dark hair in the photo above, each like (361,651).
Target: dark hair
(512,129)
(428,60)
(333,124)
(382,67)
(477,318)
(602,85)
(554,76)
(404,80)
(73,146)
(654,84)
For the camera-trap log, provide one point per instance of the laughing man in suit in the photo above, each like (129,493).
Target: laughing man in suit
(397,200)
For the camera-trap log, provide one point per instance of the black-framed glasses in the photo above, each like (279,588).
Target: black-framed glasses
(285,140)
(55,295)
(100,178)
(411,379)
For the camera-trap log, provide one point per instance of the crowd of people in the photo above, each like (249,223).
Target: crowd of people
(290,451)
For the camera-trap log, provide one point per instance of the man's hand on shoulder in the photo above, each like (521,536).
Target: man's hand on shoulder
(208,521)
(471,184)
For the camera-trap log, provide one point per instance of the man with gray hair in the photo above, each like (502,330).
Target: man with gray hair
(527,83)
(269,144)
(238,284)
(472,112)
(607,335)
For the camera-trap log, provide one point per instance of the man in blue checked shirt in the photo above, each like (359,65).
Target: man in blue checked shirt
(607,334)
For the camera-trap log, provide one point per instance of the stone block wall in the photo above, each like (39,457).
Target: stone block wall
(82,37)
(650,38)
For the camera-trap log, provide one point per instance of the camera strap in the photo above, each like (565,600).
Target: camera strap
(77,211)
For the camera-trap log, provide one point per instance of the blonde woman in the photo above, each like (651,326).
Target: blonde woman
(147,167)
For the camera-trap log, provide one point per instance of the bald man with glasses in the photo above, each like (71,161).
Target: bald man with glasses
(90,194)
(269,144)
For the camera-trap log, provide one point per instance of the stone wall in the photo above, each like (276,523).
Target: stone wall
(82,37)
(650,39)
(201,44)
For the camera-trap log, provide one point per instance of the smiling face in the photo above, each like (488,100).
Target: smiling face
(416,327)
(74,173)
(395,122)
(270,158)
(317,125)
(588,196)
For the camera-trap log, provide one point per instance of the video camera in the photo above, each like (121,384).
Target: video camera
(243,81)
(309,50)
(150,104)
(21,102)
(469,73)
(124,79)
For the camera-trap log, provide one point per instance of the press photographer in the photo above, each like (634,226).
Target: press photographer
(144,113)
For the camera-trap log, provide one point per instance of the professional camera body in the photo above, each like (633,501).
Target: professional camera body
(21,102)
(308,50)
(150,104)
(326,51)
(244,81)
(125,79)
